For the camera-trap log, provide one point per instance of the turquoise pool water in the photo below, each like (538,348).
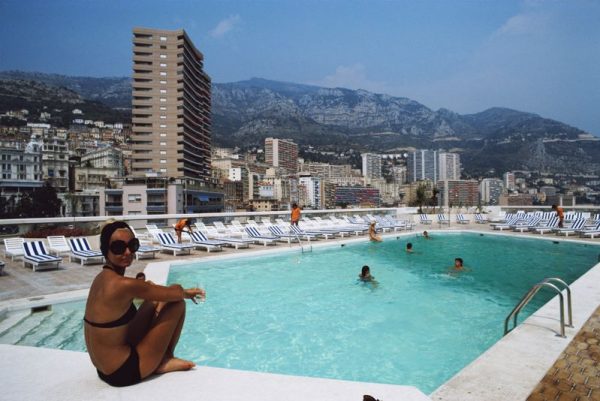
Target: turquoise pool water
(305,314)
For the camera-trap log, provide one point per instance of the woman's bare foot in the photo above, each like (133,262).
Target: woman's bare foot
(171,364)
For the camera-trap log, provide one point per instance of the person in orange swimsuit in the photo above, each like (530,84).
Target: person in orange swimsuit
(295,218)
(181,226)
(560,213)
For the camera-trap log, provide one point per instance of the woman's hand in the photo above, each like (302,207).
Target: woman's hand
(194,294)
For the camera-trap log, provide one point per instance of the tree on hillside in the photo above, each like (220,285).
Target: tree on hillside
(420,195)
(45,202)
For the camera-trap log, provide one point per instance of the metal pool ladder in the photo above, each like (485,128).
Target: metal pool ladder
(300,243)
(550,282)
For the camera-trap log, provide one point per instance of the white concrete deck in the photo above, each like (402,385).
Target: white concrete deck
(35,374)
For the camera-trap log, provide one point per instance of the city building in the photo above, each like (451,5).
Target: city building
(357,196)
(371,165)
(422,165)
(106,157)
(55,160)
(282,153)
(171,109)
(490,190)
(460,193)
(326,170)
(448,166)
(310,192)
(21,161)
(509,181)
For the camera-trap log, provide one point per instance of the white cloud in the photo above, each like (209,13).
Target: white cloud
(524,24)
(225,26)
(351,77)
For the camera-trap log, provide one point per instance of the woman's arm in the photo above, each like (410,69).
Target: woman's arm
(152,292)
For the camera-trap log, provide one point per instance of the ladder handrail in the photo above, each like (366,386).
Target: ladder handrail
(549,282)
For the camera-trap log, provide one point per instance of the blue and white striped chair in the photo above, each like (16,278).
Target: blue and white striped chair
(259,238)
(442,219)
(424,219)
(591,232)
(82,251)
(480,219)
(223,241)
(199,240)
(167,243)
(35,254)
(572,229)
(460,219)
(308,235)
(278,232)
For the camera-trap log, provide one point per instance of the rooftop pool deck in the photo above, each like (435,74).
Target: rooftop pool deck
(509,370)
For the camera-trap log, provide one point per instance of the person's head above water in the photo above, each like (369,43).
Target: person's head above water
(458,262)
(425,234)
(366,271)
(409,246)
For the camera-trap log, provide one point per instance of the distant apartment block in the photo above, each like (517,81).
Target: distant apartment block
(509,181)
(282,153)
(490,190)
(21,162)
(449,166)
(326,170)
(107,157)
(310,191)
(460,192)
(371,165)
(55,160)
(357,196)
(171,109)
(422,165)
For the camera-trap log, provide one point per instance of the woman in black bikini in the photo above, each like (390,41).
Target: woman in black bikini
(127,345)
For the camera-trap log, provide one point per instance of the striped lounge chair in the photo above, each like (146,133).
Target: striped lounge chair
(480,219)
(35,254)
(278,232)
(442,219)
(200,241)
(572,229)
(167,243)
(424,219)
(82,251)
(225,241)
(259,238)
(308,235)
(460,219)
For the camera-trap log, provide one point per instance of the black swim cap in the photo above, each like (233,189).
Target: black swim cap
(107,232)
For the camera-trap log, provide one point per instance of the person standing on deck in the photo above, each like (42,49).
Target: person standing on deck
(181,227)
(296,213)
(560,213)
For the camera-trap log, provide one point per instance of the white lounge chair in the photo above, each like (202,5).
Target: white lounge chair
(308,235)
(200,241)
(424,219)
(259,238)
(13,247)
(35,254)
(572,229)
(278,232)
(82,251)
(168,244)
(548,227)
(442,219)
(228,241)
(480,219)
(460,219)
(146,252)
(590,232)
(58,245)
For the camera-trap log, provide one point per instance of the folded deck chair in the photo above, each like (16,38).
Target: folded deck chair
(13,247)
(480,219)
(424,219)
(81,250)
(167,243)
(224,241)
(442,219)
(278,232)
(460,219)
(35,254)
(58,245)
(200,241)
(259,238)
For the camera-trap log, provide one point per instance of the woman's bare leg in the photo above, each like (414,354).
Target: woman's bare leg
(154,350)
(141,323)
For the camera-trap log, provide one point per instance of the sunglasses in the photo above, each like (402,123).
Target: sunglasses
(118,247)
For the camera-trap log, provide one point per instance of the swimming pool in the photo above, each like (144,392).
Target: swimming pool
(305,314)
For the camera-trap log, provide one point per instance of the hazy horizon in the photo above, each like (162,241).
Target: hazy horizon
(467,56)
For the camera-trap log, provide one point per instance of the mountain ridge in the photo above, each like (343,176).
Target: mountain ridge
(340,119)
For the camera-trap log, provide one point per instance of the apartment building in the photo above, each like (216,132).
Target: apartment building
(422,165)
(371,165)
(449,166)
(21,163)
(282,153)
(171,106)
(490,191)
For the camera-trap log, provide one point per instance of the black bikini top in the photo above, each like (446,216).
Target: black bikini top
(126,318)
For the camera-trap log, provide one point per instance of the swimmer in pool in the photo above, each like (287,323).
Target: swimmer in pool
(426,235)
(409,248)
(365,276)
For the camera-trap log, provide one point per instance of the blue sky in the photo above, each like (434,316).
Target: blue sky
(464,55)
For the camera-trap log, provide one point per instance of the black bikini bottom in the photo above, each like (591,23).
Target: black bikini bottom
(127,374)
